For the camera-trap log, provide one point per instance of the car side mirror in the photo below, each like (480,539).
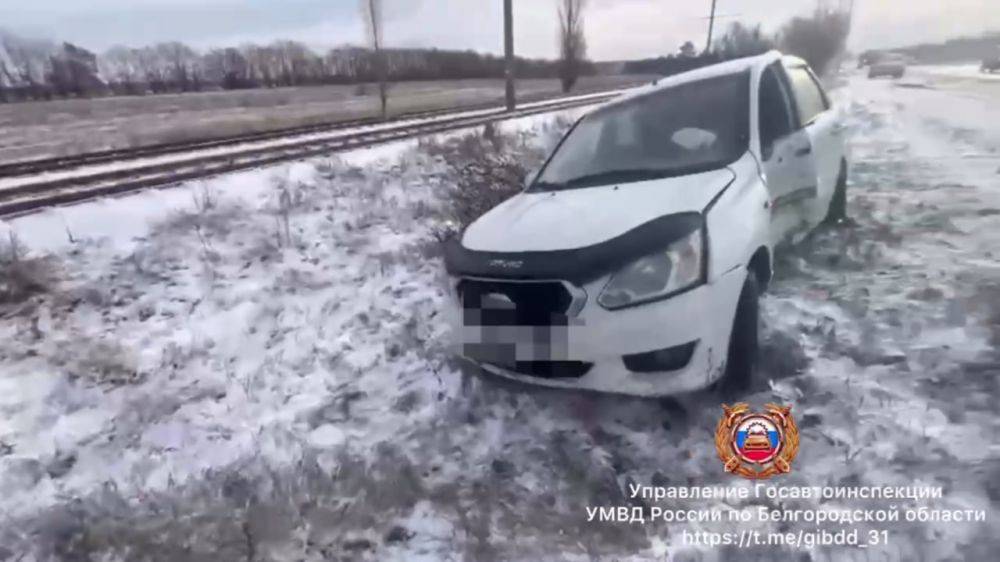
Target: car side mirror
(529,177)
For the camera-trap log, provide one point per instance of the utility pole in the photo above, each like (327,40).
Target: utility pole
(508,52)
(711,24)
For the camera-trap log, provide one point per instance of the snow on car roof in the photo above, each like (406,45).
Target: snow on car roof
(734,66)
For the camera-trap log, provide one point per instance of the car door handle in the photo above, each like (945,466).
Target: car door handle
(804,151)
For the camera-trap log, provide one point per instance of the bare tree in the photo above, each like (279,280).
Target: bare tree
(27,63)
(179,65)
(120,66)
(295,62)
(372,10)
(228,68)
(5,79)
(818,39)
(72,71)
(572,44)
(742,41)
(262,65)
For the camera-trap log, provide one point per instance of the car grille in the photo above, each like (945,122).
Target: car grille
(506,303)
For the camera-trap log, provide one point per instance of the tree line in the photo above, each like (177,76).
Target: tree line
(819,39)
(961,49)
(34,70)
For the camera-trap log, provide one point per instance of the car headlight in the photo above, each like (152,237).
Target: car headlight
(677,267)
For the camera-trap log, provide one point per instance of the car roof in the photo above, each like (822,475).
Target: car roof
(735,66)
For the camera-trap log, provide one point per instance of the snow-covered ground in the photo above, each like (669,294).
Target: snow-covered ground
(969,70)
(254,368)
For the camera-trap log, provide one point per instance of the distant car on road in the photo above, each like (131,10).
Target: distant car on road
(990,64)
(867,57)
(890,64)
(633,260)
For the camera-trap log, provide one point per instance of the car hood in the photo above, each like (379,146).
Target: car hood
(574,218)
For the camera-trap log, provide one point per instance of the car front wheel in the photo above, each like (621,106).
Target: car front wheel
(741,360)
(837,210)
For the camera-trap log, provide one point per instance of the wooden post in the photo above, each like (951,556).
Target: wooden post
(711,24)
(508,51)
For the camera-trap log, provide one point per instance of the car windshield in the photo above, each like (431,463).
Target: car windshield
(685,129)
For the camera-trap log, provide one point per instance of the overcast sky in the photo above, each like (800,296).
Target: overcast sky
(616,29)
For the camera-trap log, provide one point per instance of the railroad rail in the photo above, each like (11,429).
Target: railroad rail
(50,164)
(30,194)
(42,165)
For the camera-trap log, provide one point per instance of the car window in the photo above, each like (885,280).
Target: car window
(775,114)
(683,129)
(811,100)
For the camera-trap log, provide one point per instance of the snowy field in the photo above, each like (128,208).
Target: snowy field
(253,367)
(969,70)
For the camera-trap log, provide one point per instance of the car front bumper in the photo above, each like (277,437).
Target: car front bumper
(597,341)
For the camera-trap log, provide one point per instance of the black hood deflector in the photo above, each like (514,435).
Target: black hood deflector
(578,265)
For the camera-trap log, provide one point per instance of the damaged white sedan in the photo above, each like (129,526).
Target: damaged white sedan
(633,260)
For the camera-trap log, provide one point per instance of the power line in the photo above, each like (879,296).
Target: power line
(720,16)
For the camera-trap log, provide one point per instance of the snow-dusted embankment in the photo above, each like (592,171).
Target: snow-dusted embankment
(261,374)
(968,70)
(280,322)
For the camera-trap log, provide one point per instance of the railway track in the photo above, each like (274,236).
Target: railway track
(25,194)
(42,165)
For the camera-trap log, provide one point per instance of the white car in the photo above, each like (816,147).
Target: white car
(633,260)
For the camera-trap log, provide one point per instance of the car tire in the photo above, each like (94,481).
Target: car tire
(837,211)
(741,359)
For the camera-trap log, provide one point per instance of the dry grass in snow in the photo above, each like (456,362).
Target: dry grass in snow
(268,379)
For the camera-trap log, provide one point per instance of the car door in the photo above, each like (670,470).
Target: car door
(787,155)
(822,125)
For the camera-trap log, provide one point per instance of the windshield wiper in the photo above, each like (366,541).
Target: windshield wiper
(547,186)
(612,176)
